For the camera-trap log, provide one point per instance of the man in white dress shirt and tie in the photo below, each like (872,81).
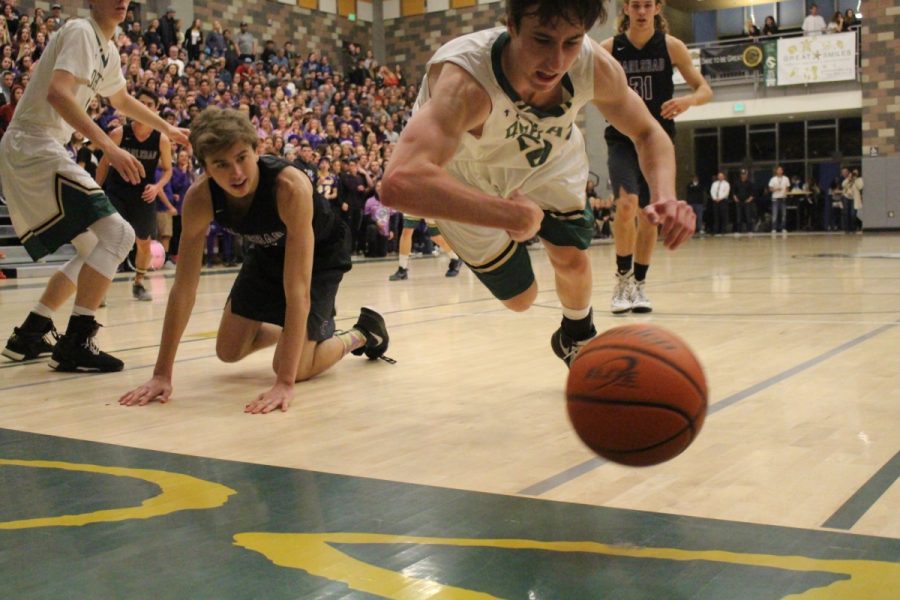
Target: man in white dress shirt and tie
(719,193)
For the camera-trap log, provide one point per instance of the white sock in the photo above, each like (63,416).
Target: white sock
(43,310)
(576,314)
(403,259)
(82,311)
(452,255)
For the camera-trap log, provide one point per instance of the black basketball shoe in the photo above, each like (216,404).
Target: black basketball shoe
(401,275)
(372,325)
(28,344)
(77,350)
(453,268)
(567,348)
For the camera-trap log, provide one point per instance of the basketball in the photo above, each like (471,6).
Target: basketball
(636,395)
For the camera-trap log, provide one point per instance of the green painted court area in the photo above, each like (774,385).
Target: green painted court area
(88,520)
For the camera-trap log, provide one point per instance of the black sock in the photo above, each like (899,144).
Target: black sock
(579,329)
(35,322)
(623,264)
(640,271)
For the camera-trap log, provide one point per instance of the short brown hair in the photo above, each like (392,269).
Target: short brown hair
(216,129)
(576,12)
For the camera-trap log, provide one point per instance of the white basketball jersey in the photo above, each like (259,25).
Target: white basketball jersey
(80,49)
(521,147)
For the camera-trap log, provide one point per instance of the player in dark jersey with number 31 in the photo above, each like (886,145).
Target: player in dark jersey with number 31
(647,54)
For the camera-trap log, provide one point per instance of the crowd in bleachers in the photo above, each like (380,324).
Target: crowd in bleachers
(334,117)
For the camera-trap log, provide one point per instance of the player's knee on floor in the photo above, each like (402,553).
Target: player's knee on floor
(228,352)
(115,237)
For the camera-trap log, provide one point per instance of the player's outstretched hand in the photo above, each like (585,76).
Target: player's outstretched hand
(279,396)
(179,135)
(530,219)
(158,388)
(677,219)
(127,165)
(674,107)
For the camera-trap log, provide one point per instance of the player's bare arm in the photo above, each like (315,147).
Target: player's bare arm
(103,168)
(293,198)
(415,180)
(702,92)
(61,96)
(165,167)
(625,111)
(196,215)
(133,108)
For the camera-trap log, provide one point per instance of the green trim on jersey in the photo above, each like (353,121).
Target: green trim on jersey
(573,228)
(506,86)
(413,222)
(78,208)
(507,275)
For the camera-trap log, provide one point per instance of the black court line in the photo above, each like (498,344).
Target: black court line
(95,374)
(859,503)
(555,481)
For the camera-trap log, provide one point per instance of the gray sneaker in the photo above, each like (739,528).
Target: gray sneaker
(622,294)
(639,301)
(140,293)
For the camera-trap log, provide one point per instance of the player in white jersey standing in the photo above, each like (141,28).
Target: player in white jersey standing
(493,154)
(53,201)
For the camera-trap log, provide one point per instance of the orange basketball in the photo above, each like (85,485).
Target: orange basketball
(636,395)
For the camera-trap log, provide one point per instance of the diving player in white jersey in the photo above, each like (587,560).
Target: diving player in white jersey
(53,201)
(493,155)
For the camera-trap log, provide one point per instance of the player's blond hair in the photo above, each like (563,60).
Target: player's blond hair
(217,129)
(659,21)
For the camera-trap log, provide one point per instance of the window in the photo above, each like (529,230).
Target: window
(762,142)
(850,136)
(791,13)
(790,140)
(706,156)
(821,142)
(734,144)
(730,22)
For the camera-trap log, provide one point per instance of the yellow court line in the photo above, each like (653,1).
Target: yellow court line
(177,492)
(313,553)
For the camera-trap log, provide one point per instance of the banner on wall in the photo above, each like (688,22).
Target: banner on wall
(677,79)
(770,64)
(814,59)
(731,60)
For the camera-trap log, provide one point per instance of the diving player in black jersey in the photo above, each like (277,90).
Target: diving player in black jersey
(647,54)
(284,294)
(137,202)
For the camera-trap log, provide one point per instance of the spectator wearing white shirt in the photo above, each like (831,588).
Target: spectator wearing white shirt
(719,193)
(779,186)
(173,59)
(813,24)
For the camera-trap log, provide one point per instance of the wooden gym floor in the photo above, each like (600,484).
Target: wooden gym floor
(454,473)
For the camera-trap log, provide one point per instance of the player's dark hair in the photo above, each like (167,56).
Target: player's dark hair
(576,12)
(145,91)
(659,21)
(217,129)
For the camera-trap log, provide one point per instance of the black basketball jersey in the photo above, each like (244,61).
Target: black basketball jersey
(147,152)
(260,224)
(649,73)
